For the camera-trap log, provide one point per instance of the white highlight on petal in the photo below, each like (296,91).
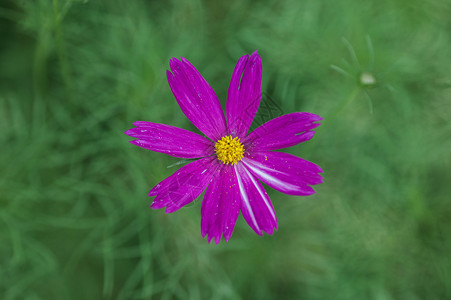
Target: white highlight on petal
(246,199)
(258,169)
(262,194)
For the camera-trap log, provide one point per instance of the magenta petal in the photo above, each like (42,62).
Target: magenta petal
(185,185)
(281,132)
(196,98)
(170,140)
(244,94)
(284,172)
(221,205)
(255,204)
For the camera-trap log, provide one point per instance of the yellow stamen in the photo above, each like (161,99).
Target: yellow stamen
(228,150)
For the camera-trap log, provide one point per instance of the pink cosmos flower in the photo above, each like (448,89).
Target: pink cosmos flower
(230,163)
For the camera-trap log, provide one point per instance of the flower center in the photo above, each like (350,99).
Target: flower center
(228,150)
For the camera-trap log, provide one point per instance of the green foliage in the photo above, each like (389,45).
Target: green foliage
(74,216)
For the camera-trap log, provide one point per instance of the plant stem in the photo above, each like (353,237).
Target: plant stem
(65,72)
(333,115)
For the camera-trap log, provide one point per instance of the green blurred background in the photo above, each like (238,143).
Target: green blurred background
(75,221)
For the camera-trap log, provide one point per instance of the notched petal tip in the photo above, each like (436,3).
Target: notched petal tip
(314,117)
(255,55)
(174,62)
(269,231)
(309,193)
(169,75)
(186,62)
(156,205)
(171,209)
(134,142)
(210,238)
(129,132)
(255,64)
(215,238)
(260,233)
(306,135)
(227,237)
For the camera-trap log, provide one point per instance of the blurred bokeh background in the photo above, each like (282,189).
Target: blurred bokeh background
(75,221)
